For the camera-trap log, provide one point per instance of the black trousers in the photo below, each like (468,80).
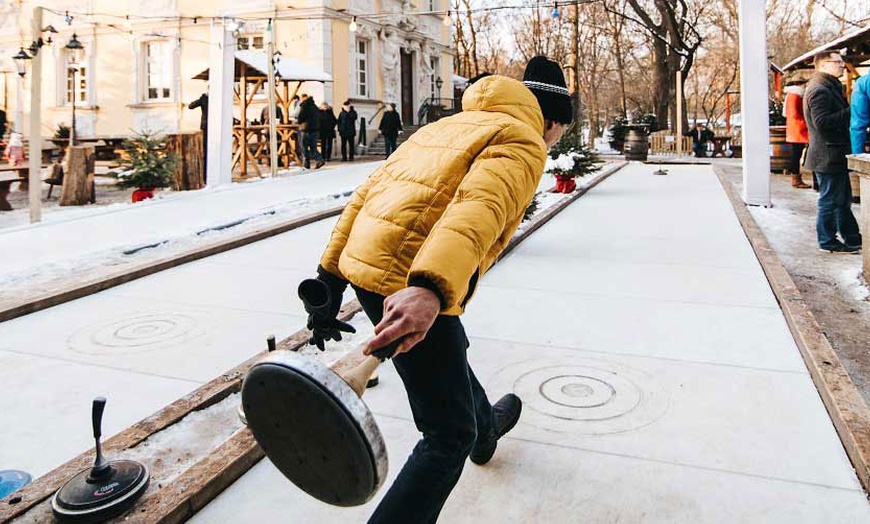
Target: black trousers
(347,147)
(794,161)
(326,146)
(450,409)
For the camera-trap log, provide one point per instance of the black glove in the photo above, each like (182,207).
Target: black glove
(322,299)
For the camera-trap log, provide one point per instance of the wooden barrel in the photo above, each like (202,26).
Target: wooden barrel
(780,151)
(636,145)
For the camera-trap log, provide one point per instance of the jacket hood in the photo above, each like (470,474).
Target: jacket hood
(500,94)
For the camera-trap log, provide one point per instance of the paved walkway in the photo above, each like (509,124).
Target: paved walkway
(661,383)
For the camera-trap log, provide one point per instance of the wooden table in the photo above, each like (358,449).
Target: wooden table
(719,143)
(9,174)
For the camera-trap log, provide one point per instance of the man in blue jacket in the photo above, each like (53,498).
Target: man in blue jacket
(860,113)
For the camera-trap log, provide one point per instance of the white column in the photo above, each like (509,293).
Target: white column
(273,120)
(35,180)
(753,103)
(220,106)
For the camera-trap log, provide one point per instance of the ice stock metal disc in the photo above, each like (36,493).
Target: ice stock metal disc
(314,429)
(81,500)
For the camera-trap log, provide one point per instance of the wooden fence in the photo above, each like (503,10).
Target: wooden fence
(665,143)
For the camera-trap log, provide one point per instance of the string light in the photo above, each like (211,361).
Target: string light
(353,26)
(447,20)
(555,13)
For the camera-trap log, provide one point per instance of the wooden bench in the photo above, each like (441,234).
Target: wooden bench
(8,175)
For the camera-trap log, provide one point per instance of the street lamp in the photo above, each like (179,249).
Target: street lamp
(21,62)
(438,84)
(76,53)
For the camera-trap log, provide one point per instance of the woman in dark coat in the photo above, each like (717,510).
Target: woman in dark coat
(327,130)
(347,130)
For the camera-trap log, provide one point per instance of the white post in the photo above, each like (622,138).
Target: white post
(35,180)
(220,106)
(679,117)
(754,103)
(273,122)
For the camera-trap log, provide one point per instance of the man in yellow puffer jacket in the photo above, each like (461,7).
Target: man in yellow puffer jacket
(413,242)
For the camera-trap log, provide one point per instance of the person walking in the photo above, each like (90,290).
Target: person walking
(796,133)
(473,174)
(860,114)
(347,130)
(827,114)
(202,104)
(391,128)
(327,131)
(309,125)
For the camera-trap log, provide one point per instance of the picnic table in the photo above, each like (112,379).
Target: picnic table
(8,175)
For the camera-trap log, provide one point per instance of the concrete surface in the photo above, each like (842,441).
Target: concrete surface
(660,380)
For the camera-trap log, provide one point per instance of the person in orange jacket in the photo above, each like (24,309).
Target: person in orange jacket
(796,132)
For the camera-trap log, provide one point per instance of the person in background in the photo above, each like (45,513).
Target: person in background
(202,104)
(796,132)
(827,113)
(700,136)
(860,114)
(391,128)
(309,125)
(295,107)
(347,130)
(327,130)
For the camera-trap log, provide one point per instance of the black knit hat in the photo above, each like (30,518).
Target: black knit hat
(545,79)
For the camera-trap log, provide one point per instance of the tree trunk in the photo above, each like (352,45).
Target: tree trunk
(578,129)
(664,82)
(78,181)
(189,173)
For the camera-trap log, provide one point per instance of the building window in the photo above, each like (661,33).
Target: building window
(251,42)
(158,70)
(77,85)
(435,65)
(362,68)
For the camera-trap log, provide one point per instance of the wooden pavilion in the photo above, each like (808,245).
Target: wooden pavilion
(855,47)
(251,141)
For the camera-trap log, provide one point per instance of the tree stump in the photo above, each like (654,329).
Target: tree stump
(189,149)
(78,180)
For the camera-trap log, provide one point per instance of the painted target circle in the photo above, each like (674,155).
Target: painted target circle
(137,333)
(584,396)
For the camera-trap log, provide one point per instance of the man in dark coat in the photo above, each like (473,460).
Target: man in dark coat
(391,128)
(309,125)
(700,137)
(347,130)
(327,130)
(827,113)
(202,104)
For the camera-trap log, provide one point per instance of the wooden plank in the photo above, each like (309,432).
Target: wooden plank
(845,405)
(31,304)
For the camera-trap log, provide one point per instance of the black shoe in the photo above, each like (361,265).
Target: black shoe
(506,414)
(319,164)
(855,243)
(841,248)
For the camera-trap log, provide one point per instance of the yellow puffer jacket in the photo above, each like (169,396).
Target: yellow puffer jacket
(446,203)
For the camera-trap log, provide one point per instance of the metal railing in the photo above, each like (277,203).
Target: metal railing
(433,109)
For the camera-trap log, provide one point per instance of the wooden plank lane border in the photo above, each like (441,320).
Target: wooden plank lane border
(78,290)
(845,405)
(198,485)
